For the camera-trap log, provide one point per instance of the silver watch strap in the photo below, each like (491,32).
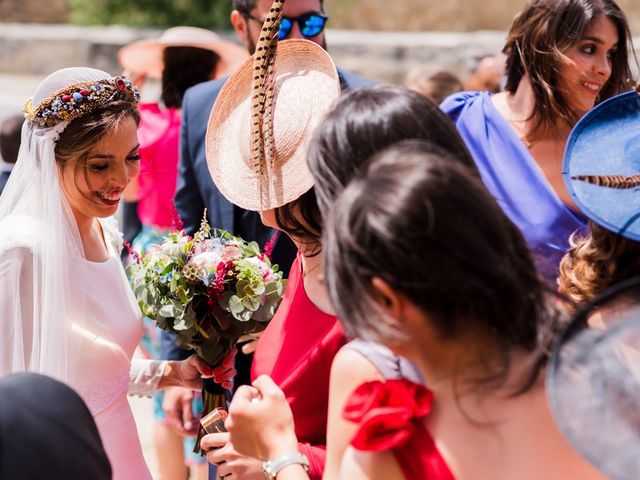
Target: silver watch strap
(272,467)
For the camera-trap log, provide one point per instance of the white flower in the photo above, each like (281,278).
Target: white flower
(208,260)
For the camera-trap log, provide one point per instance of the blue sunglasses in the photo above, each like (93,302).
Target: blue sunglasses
(310,24)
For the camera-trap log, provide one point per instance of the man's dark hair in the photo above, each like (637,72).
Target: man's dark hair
(246,6)
(10,133)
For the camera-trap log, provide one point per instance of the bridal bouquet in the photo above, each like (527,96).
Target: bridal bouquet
(209,291)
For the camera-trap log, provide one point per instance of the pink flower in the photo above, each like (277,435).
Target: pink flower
(265,270)
(231,252)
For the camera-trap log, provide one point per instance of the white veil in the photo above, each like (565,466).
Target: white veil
(40,249)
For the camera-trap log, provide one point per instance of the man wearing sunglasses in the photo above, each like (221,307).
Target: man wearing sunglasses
(196,191)
(309,25)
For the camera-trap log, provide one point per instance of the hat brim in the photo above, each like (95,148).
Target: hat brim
(603,144)
(145,56)
(307,87)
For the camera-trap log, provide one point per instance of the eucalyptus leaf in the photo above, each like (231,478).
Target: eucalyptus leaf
(235,305)
(251,303)
(168,311)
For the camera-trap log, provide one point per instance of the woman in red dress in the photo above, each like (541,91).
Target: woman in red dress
(299,344)
(436,272)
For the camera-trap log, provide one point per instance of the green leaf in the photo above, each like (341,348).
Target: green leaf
(235,305)
(182,324)
(168,268)
(251,303)
(168,311)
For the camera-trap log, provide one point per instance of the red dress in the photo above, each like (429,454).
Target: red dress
(391,417)
(296,351)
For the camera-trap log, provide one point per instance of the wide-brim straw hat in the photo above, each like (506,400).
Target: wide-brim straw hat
(145,56)
(307,87)
(601,166)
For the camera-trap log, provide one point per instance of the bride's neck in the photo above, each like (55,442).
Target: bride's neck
(86,225)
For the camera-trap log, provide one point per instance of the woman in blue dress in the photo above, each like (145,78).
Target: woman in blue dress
(563,57)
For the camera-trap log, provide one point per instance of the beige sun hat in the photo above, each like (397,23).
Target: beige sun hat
(145,56)
(307,87)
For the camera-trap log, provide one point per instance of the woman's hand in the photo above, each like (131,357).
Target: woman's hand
(260,421)
(186,373)
(251,340)
(224,373)
(230,464)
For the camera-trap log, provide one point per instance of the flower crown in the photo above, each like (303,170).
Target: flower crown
(78,100)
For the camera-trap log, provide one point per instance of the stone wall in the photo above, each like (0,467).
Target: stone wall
(382,56)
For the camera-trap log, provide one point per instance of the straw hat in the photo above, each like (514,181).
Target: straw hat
(306,89)
(146,55)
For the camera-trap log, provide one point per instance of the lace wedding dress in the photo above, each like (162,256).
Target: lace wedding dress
(60,314)
(106,328)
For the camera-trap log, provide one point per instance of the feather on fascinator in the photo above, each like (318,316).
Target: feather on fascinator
(601,167)
(77,100)
(264,117)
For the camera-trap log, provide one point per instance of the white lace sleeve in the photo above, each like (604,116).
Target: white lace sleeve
(145,376)
(112,233)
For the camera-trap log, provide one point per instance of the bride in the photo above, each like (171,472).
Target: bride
(66,309)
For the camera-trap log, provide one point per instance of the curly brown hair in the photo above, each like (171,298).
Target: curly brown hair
(596,261)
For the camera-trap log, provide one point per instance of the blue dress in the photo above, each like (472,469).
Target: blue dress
(515,180)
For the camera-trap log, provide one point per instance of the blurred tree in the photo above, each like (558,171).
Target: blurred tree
(213,14)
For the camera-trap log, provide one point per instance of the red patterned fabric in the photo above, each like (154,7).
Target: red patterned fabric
(390,416)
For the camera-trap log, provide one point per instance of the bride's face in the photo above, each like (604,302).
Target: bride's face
(94,185)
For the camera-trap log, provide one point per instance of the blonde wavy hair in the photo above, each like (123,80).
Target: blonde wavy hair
(596,261)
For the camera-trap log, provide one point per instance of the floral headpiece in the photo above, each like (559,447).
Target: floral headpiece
(78,100)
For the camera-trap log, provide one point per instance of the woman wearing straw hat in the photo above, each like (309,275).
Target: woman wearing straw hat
(268,173)
(181,57)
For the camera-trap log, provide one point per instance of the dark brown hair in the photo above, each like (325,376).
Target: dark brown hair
(185,67)
(427,226)
(537,43)
(10,133)
(366,121)
(245,6)
(307,229)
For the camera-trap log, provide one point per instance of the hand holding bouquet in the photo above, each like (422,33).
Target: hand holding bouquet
(208,290)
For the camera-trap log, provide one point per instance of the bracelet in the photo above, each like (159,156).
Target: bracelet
(270,468)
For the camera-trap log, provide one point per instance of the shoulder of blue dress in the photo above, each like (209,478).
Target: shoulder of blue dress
(455,103)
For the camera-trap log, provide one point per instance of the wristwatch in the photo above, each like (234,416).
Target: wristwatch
(270,468)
